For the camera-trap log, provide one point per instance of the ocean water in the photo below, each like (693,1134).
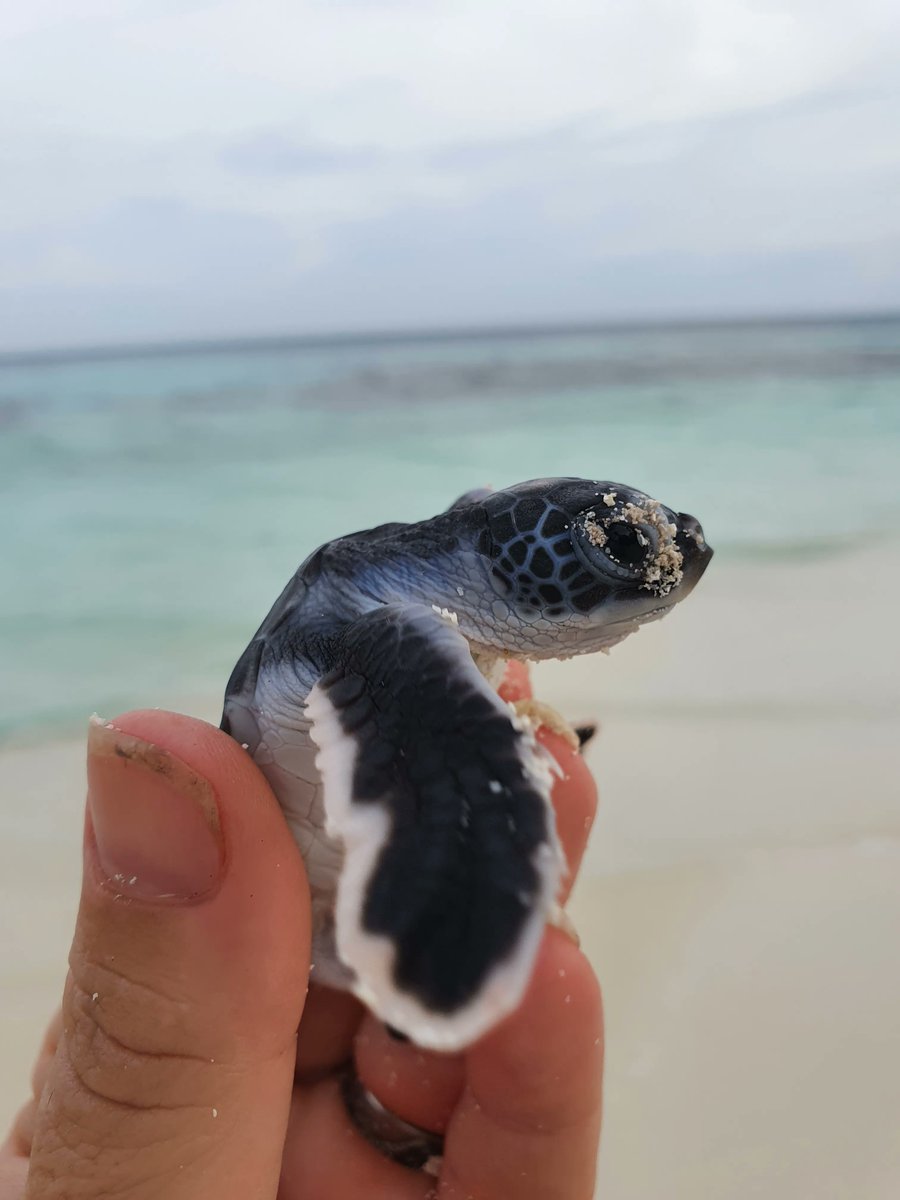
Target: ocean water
(154,504)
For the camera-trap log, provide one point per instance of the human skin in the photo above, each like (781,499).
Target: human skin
(176,1066)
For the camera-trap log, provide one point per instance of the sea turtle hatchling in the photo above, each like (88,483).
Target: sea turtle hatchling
(419,799)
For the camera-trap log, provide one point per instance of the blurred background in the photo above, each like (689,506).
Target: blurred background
(271,272)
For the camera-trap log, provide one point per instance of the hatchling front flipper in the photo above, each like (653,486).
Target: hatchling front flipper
(440,796)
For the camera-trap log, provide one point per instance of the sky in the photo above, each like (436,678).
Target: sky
(200,170)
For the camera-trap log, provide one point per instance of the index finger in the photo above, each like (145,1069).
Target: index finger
(516,682)
(574,791)
(528,1122)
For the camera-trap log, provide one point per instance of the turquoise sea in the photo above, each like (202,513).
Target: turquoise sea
(155,502)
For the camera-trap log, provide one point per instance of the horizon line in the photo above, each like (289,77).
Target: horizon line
(285,342)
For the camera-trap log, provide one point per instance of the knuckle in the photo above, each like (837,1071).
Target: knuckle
(132,1046)
(117,1105)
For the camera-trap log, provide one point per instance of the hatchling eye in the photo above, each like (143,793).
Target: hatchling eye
(626,544)
(613,544)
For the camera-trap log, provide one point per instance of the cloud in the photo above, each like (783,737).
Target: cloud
(271,153)
(311,165)
(154,240)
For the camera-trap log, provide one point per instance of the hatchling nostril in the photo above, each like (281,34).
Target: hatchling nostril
(692,528)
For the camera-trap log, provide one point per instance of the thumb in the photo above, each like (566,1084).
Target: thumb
(187,976)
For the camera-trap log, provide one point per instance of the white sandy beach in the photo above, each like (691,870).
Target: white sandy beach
(740,900)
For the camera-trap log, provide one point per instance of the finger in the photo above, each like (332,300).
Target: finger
(418,1085)
(18,1141)
(574,793)
(13,1173)
(326,1158)
(329,1025)
(516,684)
(574,798)
(187,976)
(21,1134)
(528,1122)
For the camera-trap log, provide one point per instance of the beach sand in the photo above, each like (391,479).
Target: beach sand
(740,899)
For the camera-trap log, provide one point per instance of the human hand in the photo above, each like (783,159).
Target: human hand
(175,1068)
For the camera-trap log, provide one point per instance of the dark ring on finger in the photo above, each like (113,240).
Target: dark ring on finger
(399,1140)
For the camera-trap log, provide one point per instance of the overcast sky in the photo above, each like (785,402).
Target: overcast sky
(199,169)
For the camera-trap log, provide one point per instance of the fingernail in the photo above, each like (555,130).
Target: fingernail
(155,821)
